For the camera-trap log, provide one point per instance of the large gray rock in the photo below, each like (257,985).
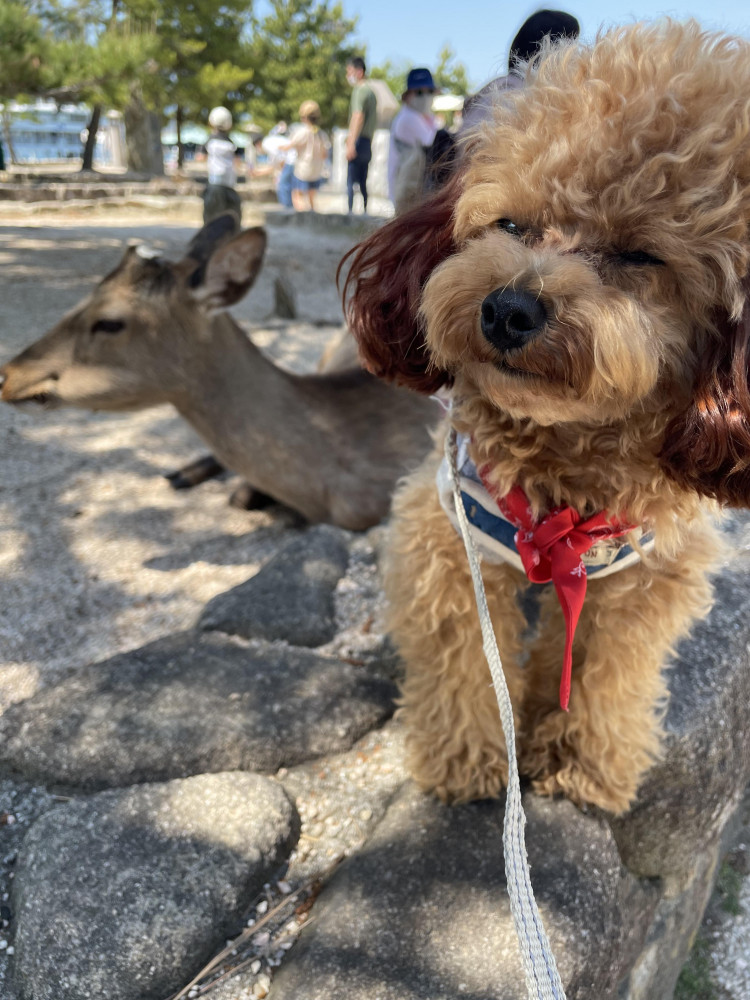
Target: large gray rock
(291,597)
(688,796)
(126,894)
(422,913)
(667,945)
(631,944)
(189,704)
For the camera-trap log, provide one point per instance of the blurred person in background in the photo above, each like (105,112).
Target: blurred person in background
(412,133)
(220,195)
(363,116)
(313,149)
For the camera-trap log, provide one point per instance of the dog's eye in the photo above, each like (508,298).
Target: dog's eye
(508,226)
(639,258)
(108,326)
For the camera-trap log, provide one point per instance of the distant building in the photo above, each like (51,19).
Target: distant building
(43,132)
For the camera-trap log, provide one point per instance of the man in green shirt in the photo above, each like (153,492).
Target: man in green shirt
(362,122)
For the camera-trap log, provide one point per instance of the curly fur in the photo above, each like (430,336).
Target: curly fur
(625,167)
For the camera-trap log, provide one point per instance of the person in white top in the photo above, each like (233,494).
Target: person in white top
(412,131)
(313,149)
(220,195)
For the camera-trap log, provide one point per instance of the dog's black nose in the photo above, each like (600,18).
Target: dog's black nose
(511,318)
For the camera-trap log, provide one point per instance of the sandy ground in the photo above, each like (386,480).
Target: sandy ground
(97,553)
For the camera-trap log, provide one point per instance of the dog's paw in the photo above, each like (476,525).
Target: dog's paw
(456,780)
(558,769)
(573,782)
(488,784)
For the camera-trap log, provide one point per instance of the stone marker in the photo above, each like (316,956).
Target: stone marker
(284,299)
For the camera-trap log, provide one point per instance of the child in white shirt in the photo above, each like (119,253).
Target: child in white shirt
(220,195)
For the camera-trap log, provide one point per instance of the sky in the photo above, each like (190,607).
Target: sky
(480,32)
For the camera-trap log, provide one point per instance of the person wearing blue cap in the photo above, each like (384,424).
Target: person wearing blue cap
(413,129)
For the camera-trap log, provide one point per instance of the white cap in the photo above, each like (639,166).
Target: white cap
(220,118)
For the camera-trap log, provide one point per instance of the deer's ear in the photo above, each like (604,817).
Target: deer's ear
(230,271)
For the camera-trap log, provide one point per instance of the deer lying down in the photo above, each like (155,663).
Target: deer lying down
(329,445)
(340,354)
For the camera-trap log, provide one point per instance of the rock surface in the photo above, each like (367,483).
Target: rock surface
(122,894)
(689,794)
(422,913)
(189,704)
(291,597)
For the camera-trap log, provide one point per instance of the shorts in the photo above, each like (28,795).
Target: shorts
(298,185)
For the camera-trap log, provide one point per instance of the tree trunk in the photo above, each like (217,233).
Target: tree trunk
(143,138)
(93,128)
(178,127)
(8,140)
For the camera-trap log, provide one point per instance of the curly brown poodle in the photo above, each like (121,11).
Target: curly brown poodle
(580,288)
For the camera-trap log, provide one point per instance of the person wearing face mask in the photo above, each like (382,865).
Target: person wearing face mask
(412,131)
(363,114)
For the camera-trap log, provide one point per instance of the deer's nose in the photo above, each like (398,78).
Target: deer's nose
(511,318)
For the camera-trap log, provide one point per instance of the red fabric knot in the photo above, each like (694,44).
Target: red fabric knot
(550,549)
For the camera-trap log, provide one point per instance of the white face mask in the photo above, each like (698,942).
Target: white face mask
(351,79)
(420,102)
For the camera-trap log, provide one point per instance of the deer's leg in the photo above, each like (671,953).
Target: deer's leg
(455,744)
(243,497)
(246,497)
(195,473)
(598,751)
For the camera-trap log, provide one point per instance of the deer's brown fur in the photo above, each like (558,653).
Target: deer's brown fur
(329,445)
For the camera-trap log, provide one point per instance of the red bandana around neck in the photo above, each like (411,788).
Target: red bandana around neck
(550,549)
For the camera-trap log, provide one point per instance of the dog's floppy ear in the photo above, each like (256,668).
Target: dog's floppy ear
(707,448)
(384,285)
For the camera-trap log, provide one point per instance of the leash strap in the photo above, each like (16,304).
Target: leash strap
(542,978)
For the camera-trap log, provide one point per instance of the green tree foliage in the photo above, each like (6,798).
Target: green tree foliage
(23,52)
(101,59)
(25,66)
(150,55)
(182,52)
(299,52)
(103,53)
(450,75)
(394,75)
(202,55)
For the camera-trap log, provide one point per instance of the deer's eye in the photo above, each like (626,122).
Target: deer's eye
(108,326)
(508,226)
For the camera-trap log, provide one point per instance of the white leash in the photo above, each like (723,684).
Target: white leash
(542,978)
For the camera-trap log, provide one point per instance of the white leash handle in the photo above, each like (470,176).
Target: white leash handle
(542,978)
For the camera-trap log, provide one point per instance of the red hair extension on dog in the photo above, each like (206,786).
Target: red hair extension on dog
(707,448)
(383,289)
